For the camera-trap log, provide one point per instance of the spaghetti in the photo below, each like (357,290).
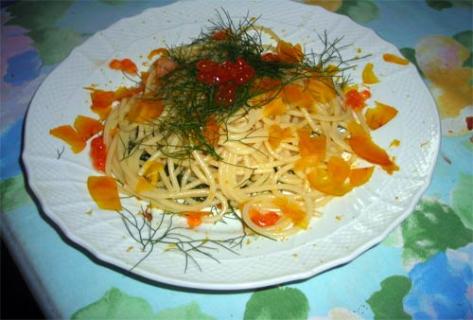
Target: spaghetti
(229,124)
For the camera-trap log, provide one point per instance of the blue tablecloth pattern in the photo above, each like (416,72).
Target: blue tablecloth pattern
(424,269)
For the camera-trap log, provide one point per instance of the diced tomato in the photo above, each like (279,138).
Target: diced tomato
(357,100)
(194,218)
(263,219)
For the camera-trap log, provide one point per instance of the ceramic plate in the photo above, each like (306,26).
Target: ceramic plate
(348,226)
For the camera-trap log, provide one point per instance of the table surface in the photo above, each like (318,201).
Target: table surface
(422,270)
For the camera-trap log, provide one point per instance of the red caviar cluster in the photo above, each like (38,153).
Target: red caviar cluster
(227,76)
(98,153)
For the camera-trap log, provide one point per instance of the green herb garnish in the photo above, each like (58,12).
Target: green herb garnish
(190,103)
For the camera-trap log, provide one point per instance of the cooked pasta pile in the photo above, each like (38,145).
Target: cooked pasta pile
(249,166)
(227,124)
(253,171)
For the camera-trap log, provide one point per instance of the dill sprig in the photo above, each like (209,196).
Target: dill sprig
(60,152)
(190,104)
(165,232)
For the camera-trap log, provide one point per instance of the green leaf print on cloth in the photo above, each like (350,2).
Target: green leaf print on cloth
(439,4)
(115,304)
(277,303)
(445,4)
(36,15)
(466,39)
(387,302)
(462,199)
(410,54)
(54,44)
(190,311)
(13,193)
(114,2)
(40,18)
(431,228)
(359,10)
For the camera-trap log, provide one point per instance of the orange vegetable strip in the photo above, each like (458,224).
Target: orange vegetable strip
(102,99)
(311,146)
(87,127)
(104,191)
(289,53)
(159,51)
(211,131)
(293,211)
(368,75)
(320,180)
(277,135)
(298,96)
(360,176)
(145,110)
(102,102)
(275,107)
(338,169)
(125,65)
(392,58)
(142,185)
(265,84)
(362,144)
(380,115)
(70,136)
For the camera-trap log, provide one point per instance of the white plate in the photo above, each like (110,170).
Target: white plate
(349,225)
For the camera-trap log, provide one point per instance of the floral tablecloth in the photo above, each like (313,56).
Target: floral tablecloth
(424,269)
